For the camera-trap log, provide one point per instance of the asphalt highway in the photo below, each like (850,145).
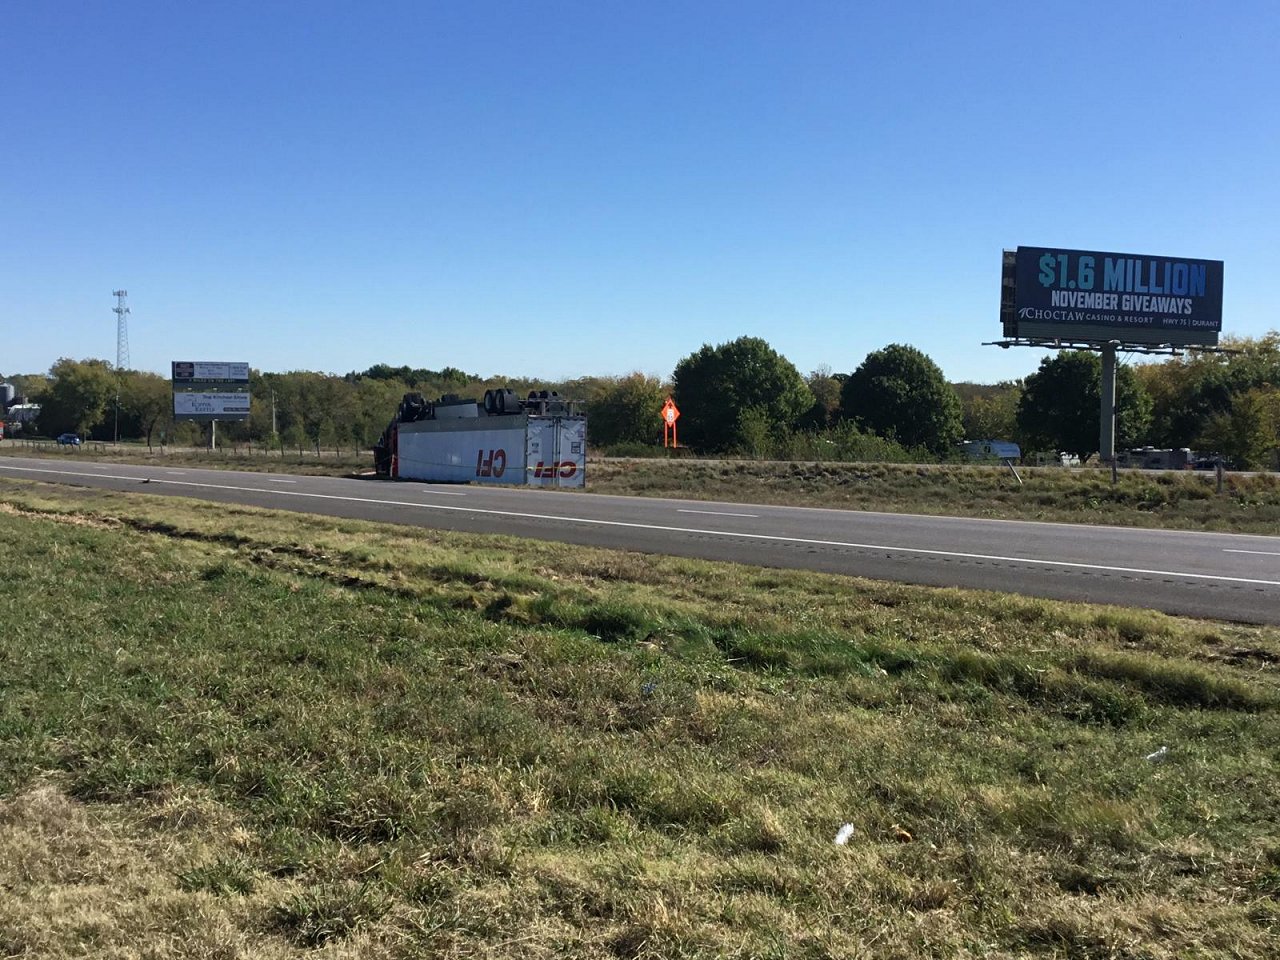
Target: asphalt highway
(1212,575)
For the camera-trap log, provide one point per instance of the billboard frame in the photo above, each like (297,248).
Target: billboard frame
(1051,293)
(217,382)
(1110,338)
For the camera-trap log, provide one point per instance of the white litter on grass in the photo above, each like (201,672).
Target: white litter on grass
(843,835)
(1159,756)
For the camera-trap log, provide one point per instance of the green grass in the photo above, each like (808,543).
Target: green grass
(328,463)
(232,732)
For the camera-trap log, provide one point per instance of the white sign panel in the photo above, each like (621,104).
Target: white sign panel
(492,455)
(540,451)
(214,405)
(209,370)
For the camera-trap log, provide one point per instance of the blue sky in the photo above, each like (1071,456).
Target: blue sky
(558,189)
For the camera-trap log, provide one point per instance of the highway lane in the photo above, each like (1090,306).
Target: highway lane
(1221,576)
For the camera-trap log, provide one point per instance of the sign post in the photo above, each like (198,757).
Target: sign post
(670,414)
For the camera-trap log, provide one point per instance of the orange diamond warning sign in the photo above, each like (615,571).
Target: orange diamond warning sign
(670,414)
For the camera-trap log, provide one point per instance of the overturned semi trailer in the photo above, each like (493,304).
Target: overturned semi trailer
(539,441)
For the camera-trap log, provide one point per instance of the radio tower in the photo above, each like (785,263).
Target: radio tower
(122,329)
(122,346)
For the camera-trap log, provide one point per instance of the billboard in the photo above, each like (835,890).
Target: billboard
(1047,292)
(210,390)
(204,370)
(189,405)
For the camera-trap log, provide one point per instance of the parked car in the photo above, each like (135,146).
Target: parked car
(68,439)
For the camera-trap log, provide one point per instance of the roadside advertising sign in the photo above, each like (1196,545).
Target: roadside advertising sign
(1098,296)
(201,370)
(189,405)
(204,390)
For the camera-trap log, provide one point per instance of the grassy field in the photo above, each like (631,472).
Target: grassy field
(1189,501)
(228,733)
(327,463)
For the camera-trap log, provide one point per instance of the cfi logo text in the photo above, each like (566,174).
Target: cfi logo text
(494,465)
(546,471)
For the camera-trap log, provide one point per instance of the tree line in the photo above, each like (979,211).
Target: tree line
(742,398)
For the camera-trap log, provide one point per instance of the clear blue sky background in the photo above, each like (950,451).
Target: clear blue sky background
(559,189)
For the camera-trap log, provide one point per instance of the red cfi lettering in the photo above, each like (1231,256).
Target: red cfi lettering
(548,471)
(494,465)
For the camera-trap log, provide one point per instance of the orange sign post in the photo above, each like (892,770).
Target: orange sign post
(670,414)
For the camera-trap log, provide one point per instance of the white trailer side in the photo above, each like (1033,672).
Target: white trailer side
(548,451)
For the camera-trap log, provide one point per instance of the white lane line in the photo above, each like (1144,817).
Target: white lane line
(177,473)
(717,513)
(444,493)
(920,551)
(278,480)
(1259,553)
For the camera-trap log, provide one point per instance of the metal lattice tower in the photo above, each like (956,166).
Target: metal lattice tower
(122,329)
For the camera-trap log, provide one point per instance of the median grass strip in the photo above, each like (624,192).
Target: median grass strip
(241,733)
(1172,500)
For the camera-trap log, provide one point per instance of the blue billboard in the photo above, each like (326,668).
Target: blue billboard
(1092,295)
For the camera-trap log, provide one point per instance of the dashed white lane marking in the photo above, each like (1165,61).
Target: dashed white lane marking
(591,521)
(444,493)
(1258,553)
(177,473)
(718,513)
(278,480)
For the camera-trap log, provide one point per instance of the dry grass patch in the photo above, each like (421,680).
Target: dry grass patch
(138,882)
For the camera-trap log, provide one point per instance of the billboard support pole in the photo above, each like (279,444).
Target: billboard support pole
(213,436)
(1107,434)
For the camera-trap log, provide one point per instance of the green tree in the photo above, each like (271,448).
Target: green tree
(146,402)
(77,397)
(825,387)
(1194,395)
(716,385)
(1060,408)
(990,412)
(900,393)
(627,410)
(375,403)
(28,385)
(1249,433)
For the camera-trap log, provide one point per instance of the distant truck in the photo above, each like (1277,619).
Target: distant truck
(538,441)
(1151,458)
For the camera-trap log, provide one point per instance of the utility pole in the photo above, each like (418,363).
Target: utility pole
(1107,435)
(122,346)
